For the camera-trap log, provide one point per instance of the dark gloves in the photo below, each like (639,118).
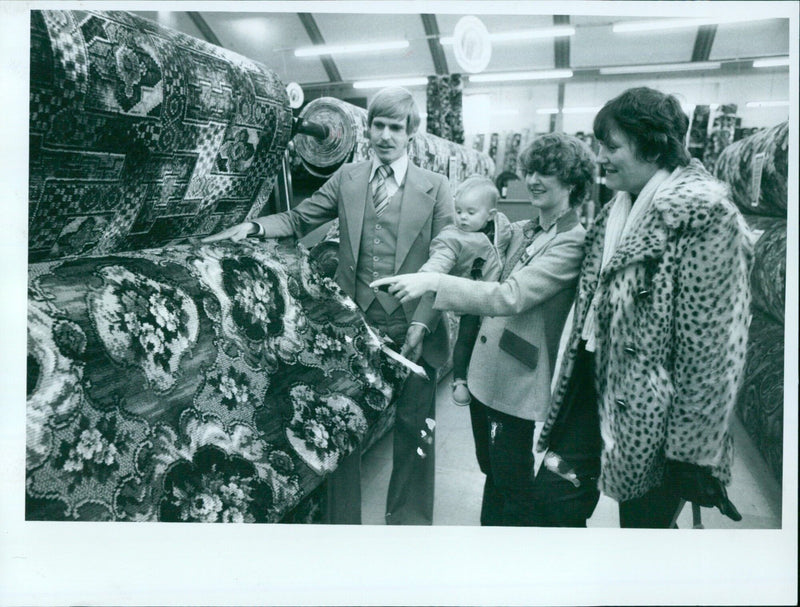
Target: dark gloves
(697,485)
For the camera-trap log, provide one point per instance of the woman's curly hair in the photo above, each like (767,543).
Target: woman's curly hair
(565,157)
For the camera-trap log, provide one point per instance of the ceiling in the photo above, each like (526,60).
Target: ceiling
(271,38)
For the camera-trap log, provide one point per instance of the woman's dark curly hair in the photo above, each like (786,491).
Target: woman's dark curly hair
(565,157)
(652,120)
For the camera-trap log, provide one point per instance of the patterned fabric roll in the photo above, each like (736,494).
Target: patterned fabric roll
(760,402)
(456,109)
(721,136)
(444,107)
(511,157)
(756,168)
(435,107)
(347,139)
(768,278)
(348,143)
(758,224)
(698,132)
(215,384)
(140,135)
(493,144)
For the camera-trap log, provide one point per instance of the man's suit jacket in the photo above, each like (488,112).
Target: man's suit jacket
(513,358)
(426,208)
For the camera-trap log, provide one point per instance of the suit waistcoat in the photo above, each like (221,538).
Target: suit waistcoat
(376,257)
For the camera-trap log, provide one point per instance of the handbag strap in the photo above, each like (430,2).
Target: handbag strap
(529,231)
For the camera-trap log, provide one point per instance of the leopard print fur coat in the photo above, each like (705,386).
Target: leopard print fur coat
(671,331)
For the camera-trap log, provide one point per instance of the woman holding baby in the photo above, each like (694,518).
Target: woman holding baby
(523,312)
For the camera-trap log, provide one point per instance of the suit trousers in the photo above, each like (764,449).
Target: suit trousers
(410,497)
(504,447)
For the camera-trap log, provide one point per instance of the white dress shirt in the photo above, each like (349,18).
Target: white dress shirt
(395,179)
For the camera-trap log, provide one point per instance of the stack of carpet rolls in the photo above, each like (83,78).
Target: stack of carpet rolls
(168,380)
(756,169)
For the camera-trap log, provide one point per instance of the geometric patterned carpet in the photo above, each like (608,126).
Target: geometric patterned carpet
(140,135)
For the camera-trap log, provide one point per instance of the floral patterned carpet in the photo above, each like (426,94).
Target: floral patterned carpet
(209,383)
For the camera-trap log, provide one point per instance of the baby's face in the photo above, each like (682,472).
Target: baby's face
(473,210)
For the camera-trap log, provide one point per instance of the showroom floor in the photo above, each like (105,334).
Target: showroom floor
(459,482)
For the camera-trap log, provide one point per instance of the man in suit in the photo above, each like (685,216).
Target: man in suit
(389,210)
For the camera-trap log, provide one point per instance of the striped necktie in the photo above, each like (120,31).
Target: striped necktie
(380,196)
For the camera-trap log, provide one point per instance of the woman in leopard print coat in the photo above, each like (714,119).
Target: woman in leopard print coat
(652,364)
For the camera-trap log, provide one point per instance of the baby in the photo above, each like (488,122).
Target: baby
(475,247)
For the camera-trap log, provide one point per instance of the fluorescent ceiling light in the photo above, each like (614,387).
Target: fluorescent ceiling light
(581,110)
(661,67)
(513,76)
(664,24)
(772,62)
(549,32)
(328,49)
(377,84)
(570,110)
(753,104)
(543,32)
(688,108)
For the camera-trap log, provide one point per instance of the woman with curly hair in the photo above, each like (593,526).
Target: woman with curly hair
(524,312)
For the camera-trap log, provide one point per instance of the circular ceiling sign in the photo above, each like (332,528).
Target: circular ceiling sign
(471,44)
